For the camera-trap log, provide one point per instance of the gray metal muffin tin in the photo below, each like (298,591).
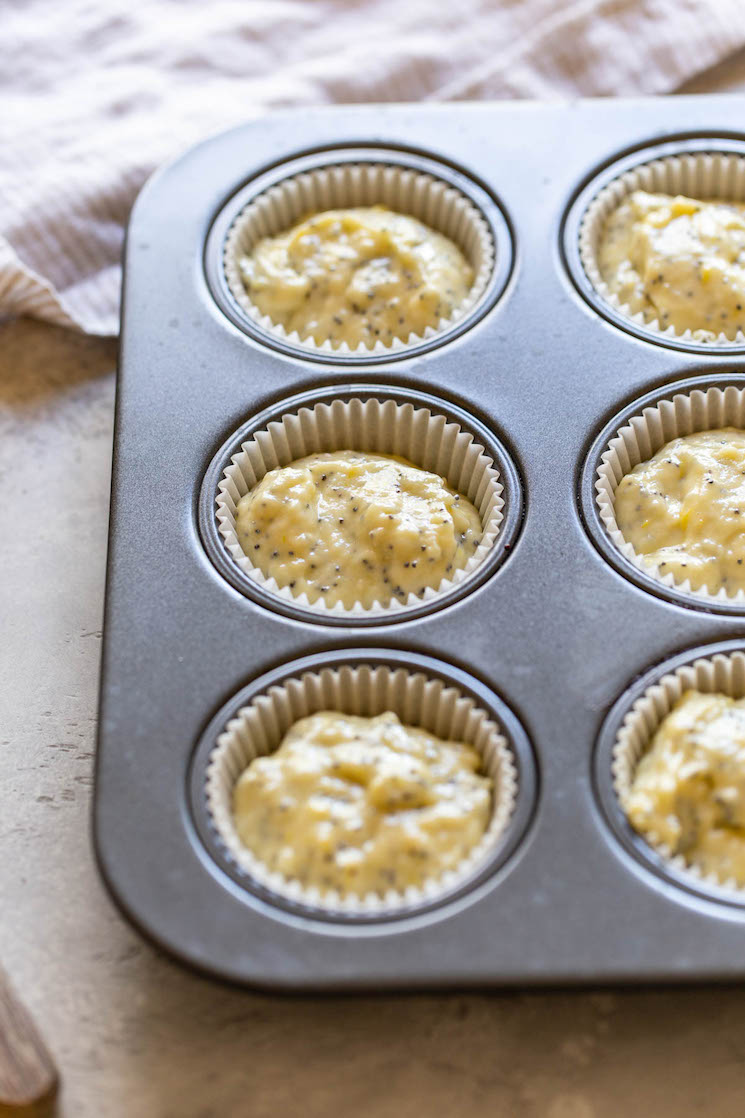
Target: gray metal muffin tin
(555,640)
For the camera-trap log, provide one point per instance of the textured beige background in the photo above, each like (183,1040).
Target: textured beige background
(137,1037)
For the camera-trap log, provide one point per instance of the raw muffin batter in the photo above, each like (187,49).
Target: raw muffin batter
(688,791)
(357,276)
(353,527)
(684,509)
(679,260)
(362,805)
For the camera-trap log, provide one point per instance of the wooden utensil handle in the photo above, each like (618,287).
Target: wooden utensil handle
(28,1076)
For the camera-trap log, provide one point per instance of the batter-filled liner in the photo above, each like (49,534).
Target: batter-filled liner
(705,176)
(720,673)
(430,703)
(640,438)
(377,426)
(432,201)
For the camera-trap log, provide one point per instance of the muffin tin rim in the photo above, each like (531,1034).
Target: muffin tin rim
(601,176)
(489,206)
(489,873)
(613,815)
(513,494)
(590,514)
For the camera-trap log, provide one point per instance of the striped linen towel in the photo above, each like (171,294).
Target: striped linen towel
(96,95)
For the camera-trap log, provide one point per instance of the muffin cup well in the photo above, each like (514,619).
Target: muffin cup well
(365,689)
(639,439)
(405,190)
(375,425)
(724,673)
(705,175)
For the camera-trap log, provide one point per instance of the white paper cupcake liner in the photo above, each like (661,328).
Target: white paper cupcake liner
(417,700)
(706,176)
(722,673)
(432,201)
(645,434)
(376,426)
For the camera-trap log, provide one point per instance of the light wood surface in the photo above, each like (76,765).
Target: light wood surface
(28,1077)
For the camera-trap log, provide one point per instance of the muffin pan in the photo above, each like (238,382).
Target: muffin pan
(420,693)
(695,167)
(701,403)
(553,637)
(627,734)
(380,420)
(359,175)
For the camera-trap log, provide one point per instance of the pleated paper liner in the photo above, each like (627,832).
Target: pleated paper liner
(705,176)
(376,425)
(724,673)
(640,439)
(414,193)
(417,700)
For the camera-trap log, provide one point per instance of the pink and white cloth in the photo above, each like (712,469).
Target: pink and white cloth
(96,93)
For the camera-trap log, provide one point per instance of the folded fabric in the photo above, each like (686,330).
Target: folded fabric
(95,96)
